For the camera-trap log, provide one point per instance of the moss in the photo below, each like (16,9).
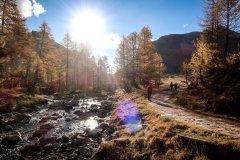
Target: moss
(29,100)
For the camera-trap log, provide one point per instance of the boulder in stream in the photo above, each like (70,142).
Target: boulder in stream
(94,133)
(30,149)
(12,139)
(43,141)
(102,113)
(23,118)
(73,103)
(43,129)
(104,126)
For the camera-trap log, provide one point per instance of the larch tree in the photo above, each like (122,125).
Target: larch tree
(15,43)
(230,18)
(201,60)
(121,59)
(146,55)
(43,44)
(159,68)
(67,43)
(133,47)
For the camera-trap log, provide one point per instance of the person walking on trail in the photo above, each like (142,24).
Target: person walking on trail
(175,86)
(149,90)
(171,86)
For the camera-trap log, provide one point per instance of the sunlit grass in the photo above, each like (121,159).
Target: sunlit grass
(158,138)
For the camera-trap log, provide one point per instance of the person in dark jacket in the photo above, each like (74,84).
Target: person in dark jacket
(175,86)
(149,90)
(171,86)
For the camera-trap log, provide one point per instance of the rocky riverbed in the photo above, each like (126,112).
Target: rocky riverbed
(67,127)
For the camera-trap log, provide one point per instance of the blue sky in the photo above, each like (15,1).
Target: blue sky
(120,17)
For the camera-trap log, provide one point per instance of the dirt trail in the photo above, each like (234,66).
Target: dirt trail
(220,125)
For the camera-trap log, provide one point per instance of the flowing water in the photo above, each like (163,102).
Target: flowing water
(56,129)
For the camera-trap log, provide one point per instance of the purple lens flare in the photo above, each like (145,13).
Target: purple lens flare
(128,113)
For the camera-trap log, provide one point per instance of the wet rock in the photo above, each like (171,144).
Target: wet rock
(74,155)
(68,119)
(110,98)
(63,147)
(94,133)
(85,104)
(55,114)
(104,126)
(110,130)
(48,147)
(44,119)
(8,128)
(102,113)
(106,105)
(54,117)
(73,103)
(42,130)
(78,112)
(24,118)
(100,120)
(2,123)
(43,141)
(94,106)
(12,139)
(46,126)
(79,141)
(101,98)
(30,149)
(65,139)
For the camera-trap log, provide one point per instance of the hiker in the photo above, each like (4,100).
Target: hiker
(149,90)
(171,86)
(175,86)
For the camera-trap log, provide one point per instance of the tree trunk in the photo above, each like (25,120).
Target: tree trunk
(3,16)
(227,33)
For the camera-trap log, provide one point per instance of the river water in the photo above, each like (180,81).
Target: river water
(65,128)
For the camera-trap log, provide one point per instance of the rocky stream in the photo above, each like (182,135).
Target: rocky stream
(66,127)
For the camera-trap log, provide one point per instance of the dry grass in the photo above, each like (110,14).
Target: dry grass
(11,99)
(201,157)
(157,139)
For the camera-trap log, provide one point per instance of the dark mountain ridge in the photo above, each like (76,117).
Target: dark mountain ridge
(175,48)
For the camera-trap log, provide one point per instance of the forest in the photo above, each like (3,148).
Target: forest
(61,101)
(36,63)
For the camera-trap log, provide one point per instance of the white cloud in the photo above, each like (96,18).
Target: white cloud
(37,8)
(25,7)
(29,8)
(185,25)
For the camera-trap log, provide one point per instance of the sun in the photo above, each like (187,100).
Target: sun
(87,26)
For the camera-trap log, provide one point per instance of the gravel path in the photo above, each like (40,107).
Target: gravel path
(220,125)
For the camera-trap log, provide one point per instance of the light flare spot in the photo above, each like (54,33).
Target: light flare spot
(128,113)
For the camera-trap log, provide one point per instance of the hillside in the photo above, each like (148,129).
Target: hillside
(175,48)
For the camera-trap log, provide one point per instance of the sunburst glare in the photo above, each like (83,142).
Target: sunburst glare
(87,26)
